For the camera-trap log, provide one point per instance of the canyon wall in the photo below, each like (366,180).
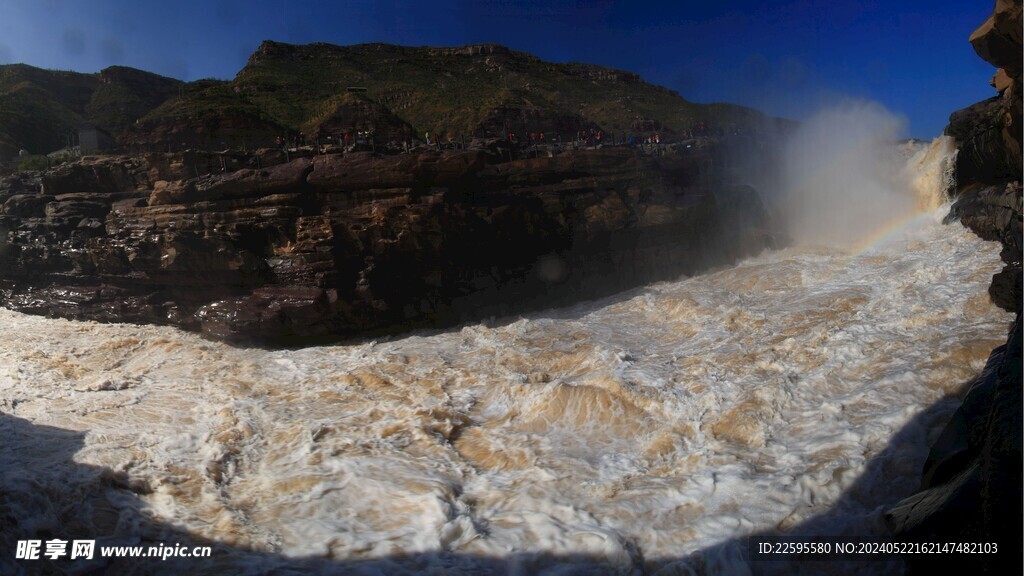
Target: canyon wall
(316,247)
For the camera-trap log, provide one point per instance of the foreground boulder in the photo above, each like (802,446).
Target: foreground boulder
(336,245)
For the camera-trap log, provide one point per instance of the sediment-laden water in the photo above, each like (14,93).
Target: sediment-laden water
(635,430)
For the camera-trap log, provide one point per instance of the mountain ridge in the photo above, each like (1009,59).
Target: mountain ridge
(41,110)
(285,89)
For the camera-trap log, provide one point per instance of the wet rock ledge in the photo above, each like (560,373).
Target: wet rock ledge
(284,251)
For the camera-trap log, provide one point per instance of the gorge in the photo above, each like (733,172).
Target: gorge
(512,358)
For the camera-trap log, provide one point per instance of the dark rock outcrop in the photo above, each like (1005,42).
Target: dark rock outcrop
(988,133)
(984,155)
(971,489)
(994,213)
(334,245)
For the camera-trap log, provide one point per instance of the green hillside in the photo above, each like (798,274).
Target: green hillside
(469,90)
(126,94)
(466,89)
(476,90)
(42,110)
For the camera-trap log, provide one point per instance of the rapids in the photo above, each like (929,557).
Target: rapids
(648,431)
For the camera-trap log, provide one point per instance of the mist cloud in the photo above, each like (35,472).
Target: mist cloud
(841,175)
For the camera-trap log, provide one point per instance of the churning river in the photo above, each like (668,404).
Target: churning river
(649,431)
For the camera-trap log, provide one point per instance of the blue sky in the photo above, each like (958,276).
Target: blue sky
(787,58)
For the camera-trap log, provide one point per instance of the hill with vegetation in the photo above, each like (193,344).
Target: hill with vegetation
(42,110)
(322,89)
(479,90)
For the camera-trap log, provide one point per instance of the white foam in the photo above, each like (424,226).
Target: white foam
(654,426)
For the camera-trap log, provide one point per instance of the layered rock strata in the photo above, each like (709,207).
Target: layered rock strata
(294,250)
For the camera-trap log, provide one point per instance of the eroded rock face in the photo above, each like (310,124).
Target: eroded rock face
(998,39)
(336,245)
(982,137)
(994,213)
(988,133)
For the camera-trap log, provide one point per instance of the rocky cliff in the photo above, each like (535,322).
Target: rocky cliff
(323,246)
(971,489)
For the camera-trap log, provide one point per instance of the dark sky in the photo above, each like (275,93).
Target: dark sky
(787,58)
